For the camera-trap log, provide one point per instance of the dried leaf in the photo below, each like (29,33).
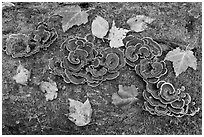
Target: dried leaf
(182,59)
(50,89)
(128,91)
(125,95)
(72,15)
(22,75)
(116,36)
(80,113)
(139,23)
(99,27)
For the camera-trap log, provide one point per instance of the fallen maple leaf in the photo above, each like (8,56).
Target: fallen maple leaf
(72,15)
(139,23)
(126,95)
(80,113)
(99,27)
(182,59)
(116,36)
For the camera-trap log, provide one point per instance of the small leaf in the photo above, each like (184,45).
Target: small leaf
(182,59)
(139,23)
(80,113)
(50,89)
(72,15)
(125,95)
(128,91)
(116,36)
(99,27)
(22,75)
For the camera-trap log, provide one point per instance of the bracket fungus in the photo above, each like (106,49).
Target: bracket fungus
(43,37)
(138,49)
(99,56)
(90,37)
(147,42)
(131,56)
(74,78)
(151,70)
(71,44)
(41,34)
(156,49)
(82,63)
(112,58)
(17,45)
(163,99)
(21,45)
(133,41)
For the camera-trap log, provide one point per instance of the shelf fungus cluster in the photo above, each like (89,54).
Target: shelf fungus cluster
(82,63)
(163,99)
(22,45)
(142,55)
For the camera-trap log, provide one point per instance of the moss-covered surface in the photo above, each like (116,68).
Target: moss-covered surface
(25,110)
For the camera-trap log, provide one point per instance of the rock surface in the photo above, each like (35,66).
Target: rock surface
(25,110)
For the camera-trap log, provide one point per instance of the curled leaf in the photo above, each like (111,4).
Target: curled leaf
(72,15)
(50,89)
(22,75)
(126,95)
(80,113)
(139,23)
(116,36)
(99,27)
(182,59)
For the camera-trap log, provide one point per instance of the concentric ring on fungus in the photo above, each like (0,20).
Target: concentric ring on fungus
(163,99)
